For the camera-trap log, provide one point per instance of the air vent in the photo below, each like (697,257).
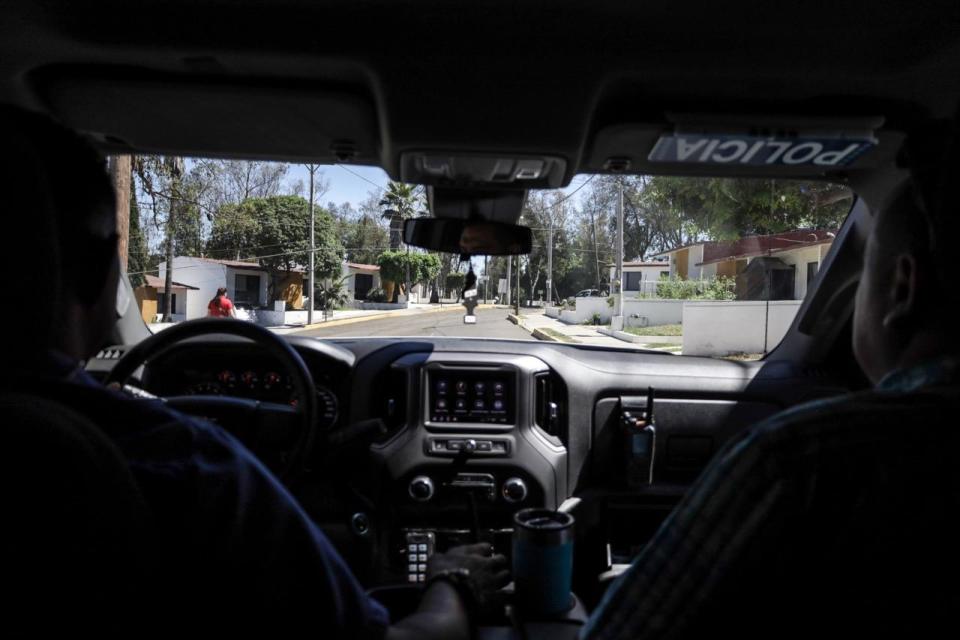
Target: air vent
(551,404)
(394,409)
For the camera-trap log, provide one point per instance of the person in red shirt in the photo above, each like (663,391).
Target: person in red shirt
(221,306)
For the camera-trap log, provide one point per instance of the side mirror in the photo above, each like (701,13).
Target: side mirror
(468,237)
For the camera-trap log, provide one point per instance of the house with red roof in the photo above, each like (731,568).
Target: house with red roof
(793,257)
(248,284)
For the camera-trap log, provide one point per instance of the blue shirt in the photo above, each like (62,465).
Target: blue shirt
(239,554)
(836,518)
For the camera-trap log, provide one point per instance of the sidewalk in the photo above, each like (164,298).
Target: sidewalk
(552,330)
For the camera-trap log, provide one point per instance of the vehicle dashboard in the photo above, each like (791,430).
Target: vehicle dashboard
(477,429)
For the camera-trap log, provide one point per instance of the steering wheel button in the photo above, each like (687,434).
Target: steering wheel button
(411,547)
(421,568)
(422,557)
(411,557)
(421,547)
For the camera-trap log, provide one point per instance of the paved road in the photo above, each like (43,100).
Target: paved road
(491,323)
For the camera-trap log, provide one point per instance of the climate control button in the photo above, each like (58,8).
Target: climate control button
(421,489)
(514,490)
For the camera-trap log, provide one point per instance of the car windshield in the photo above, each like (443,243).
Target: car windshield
(709,266)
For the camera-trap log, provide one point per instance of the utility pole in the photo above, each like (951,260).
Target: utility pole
(596,248)
(175,167)
(518,286)
(486,280)
(549,297)
(509,279)
(120,174)
(619,253)
(312,168)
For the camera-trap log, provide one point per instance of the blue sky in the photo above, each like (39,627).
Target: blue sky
(347,184)
(352,183)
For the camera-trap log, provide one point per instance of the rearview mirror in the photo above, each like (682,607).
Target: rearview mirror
(468,237)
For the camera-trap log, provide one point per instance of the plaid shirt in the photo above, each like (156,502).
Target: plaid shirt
(838,517)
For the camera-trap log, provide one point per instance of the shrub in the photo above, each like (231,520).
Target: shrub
(376,295)
(720,288)
(595,319)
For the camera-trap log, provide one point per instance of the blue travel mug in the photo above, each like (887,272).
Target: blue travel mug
(543,561)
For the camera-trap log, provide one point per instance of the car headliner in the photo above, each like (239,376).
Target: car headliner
(366,80)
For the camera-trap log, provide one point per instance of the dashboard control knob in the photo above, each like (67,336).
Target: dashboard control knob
(421,488)
(470,445)
(514,490)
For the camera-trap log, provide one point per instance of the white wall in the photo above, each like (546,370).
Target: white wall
(800,258)
(586,307)
(649,276)
(206,276)
(350,283)
(652,312)
(724,327)
(695,256)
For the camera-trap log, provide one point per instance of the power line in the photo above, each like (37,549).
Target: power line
(378,186)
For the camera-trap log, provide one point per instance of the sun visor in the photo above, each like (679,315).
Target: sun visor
(187,116)
(744,145)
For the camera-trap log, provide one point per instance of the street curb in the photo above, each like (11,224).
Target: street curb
(540,335)
(620,335)
(536,332)
(387,314)
(635,339)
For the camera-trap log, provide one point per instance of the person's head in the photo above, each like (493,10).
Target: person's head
(71,223)
(900,315)
(222,291)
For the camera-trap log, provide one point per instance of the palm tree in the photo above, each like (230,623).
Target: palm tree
(332,295)
(401,201)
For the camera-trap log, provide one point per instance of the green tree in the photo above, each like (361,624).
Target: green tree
(276,230)
(364,239)
(421,267)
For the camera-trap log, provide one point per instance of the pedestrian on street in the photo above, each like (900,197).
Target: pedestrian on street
(221,306)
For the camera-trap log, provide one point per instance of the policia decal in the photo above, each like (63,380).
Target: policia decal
(747,150)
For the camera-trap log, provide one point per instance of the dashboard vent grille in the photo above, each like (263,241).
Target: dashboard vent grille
(111,353)
(550,407)
(394,410)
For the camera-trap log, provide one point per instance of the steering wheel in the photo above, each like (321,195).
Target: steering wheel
(280,434)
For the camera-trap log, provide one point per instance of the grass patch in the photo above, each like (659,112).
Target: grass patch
(553,333)
(663,346)
(657,330)
(742,357)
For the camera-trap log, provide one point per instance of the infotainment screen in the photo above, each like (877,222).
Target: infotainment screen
(467,395)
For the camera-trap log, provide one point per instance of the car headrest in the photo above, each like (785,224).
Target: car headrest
(30,255)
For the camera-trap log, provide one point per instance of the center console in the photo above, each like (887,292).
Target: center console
(471,453)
